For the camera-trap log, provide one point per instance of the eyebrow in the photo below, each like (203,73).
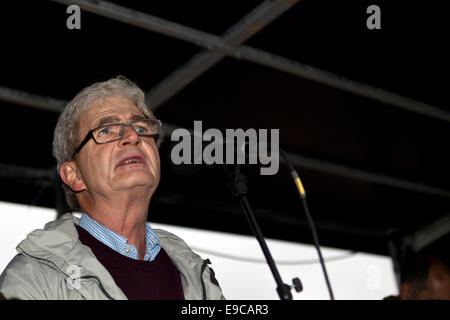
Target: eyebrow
(138,117)
(114,119)
(106,120)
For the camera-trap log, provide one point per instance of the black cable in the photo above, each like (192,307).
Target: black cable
(302,193)
(278,262)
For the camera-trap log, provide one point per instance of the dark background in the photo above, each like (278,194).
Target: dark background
(407,56)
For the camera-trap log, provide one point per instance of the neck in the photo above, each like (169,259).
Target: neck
(123,213)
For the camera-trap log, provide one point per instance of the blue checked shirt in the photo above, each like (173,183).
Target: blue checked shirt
(119,243)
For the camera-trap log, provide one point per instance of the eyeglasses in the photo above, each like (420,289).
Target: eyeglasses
(113,132)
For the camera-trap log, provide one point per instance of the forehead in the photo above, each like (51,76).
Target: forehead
(118,108)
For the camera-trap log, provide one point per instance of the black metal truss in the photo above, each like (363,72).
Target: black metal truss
(55,105)
(222,45)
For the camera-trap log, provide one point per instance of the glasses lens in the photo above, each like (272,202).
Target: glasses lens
(107,133)
(147,127)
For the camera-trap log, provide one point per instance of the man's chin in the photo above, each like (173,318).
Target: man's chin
(136,181)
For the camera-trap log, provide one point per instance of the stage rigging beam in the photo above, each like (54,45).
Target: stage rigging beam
(428,234)
(36,101)
(31,100)
(45,177)
(216,43)
(249,25)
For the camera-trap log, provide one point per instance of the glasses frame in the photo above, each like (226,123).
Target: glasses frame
(90,134)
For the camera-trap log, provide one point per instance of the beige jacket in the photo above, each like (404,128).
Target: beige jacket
(53,264)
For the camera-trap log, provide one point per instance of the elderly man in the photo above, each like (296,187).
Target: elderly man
(105,144)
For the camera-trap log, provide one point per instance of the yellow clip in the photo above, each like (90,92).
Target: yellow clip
(300,188)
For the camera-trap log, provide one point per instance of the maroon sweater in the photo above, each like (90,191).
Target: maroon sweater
(139,280)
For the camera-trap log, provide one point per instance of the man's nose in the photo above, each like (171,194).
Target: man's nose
(130,136)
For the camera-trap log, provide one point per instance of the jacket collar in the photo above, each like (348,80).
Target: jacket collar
(188,263)
(58,245)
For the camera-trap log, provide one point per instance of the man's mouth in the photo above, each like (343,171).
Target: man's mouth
(131,160)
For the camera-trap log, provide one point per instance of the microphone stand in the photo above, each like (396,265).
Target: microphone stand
(237,182)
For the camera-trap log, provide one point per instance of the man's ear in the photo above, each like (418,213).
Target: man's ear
(68,174)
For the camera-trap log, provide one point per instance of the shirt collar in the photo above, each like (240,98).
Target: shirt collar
(118,243)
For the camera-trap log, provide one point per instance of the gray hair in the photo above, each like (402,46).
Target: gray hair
(66,135)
